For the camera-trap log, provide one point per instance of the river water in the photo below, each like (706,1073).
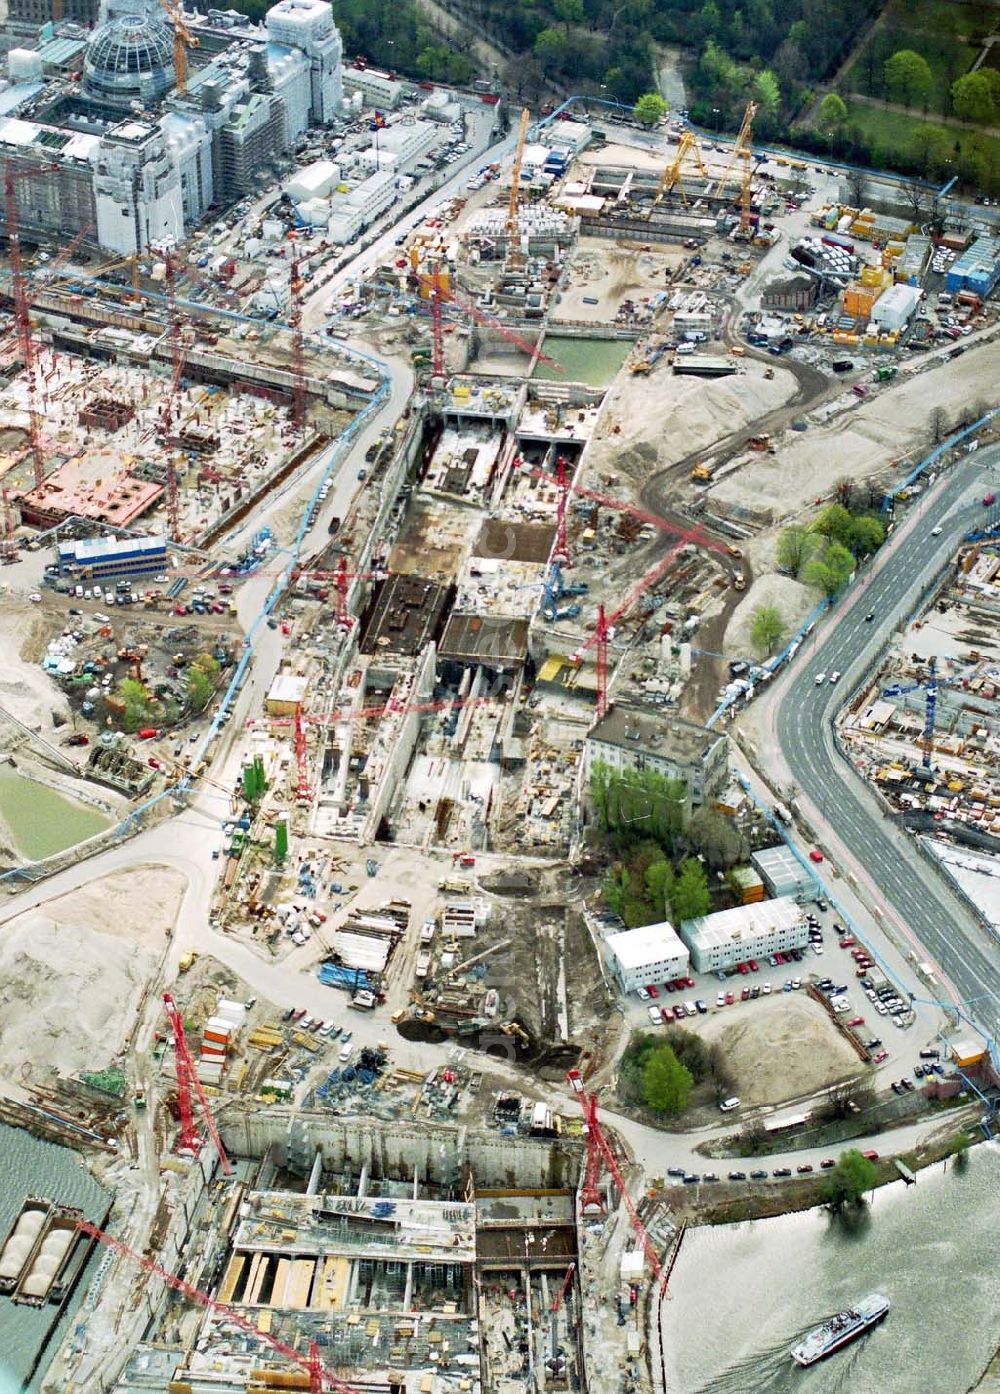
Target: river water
(41,820)
(742,1294)
(30,1167)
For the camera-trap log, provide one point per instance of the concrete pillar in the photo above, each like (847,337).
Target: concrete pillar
(408,1291)
(363,1182)
(315,1174)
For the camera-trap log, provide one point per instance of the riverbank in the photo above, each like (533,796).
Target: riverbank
(740,1201)
(989,1381)
(743,1294)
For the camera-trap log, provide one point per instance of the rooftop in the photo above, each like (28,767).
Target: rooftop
(742,922)
(405,612)
(633,728)
(494,640)
(119,501)
(650,943)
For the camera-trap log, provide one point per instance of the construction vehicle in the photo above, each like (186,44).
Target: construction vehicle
(762,442)
(885,372)
(703,473)
(187,962)
(739,581)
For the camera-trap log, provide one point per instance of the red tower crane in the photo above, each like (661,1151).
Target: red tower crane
(187,1077)
(438,289)
(295,285)
(560,548)
(599,1150)
(560,1296)
(437,329)
(601,636)
(690,534)
(168,414)
(320,1377)
(303,790)
(22,309)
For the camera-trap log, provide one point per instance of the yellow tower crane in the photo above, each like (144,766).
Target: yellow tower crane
(742,154)
(184,38)
(688,153)
(514,255)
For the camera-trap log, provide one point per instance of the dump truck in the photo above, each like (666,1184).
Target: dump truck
(187,961)
(703,472)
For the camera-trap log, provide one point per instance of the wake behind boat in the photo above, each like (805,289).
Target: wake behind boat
(840,1330)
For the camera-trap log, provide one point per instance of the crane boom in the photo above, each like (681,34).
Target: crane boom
(309,1362)
(187,1077)
(513,225)
(598,1148)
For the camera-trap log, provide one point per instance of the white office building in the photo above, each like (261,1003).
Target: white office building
(351,213)
(748,931)
(399,147)
(650,954)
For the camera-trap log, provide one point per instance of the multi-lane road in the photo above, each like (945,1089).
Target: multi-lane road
(909,893)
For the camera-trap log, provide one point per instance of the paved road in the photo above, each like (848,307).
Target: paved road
(921,905)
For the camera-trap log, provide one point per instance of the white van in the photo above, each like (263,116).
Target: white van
(728,1105)
(345,1053)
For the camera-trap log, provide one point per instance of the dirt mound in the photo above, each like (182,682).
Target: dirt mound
(71,975)
(780,1047)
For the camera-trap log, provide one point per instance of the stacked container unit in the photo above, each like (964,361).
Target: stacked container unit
(977,269)
(217,1037)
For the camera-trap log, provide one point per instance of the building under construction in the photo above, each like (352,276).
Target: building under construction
(417,1259)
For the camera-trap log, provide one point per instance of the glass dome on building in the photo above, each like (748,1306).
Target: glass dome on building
(129,59)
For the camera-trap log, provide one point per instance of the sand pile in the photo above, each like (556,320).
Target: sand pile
(679,415)
(792,599)
(862,442)
(25,690)
(72,974)
(781,1047)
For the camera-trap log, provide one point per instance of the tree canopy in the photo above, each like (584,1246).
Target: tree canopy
(767,628)
(832,112)
(849,1181)
(908,78)
(650,108)
(976,96)
(829,569)
(666,1083)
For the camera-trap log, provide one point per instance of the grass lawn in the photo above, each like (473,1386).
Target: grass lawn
(947,35)
(894,131)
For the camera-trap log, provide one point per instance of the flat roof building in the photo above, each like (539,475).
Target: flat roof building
(783,873)
(100,557)
(631,738)
(287,694)
(748,931)
(651,954)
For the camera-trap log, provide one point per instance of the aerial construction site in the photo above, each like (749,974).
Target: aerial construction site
(418,514)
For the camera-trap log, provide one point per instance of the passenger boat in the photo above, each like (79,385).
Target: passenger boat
(840,1330)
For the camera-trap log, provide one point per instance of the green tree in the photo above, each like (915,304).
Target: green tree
(691,897)
(796,545)
(835,523)
(867,535)
(830,569)
(550,48)
(767,91)
(649,109)
(666,1084)
(908,78)
(716,837)
(569,11)
(832,112)
(659,887)
(976,96)
(139,708)
(930,147)
(767,628)
(849,1181)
